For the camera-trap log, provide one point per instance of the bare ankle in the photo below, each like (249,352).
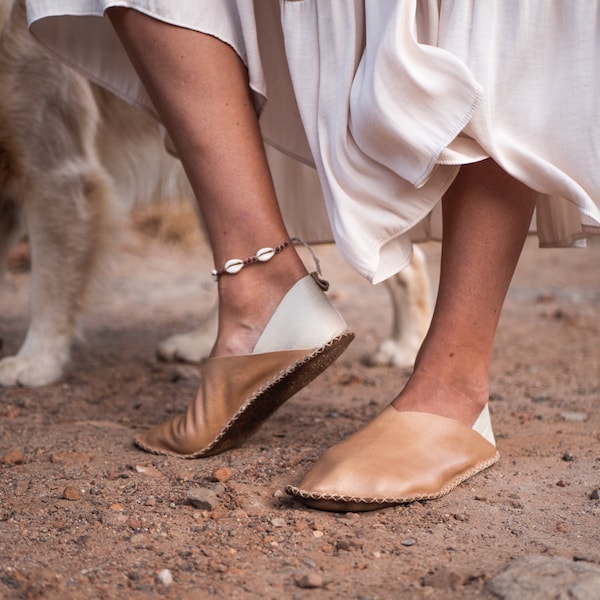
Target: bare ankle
(457,399)
(248,299)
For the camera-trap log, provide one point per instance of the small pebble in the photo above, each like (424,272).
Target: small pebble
(545,297)
(575,417)
(11,412)
(165,577)
(327,549)
(222,474)
(568,457)
(278,522)
(348,545)
(219,488)
(542,398)
(559,314)
(71,493)
(202,498)
(595,495)
(13,457)
(149,470)
(444,579)
(310,581)
(134,523)
(138,539)
(70,458)
(184,475)
(408,542)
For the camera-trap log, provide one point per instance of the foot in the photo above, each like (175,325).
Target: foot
(238,393)
(399,457)
(447,397)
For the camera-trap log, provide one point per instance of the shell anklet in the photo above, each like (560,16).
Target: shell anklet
(235,265)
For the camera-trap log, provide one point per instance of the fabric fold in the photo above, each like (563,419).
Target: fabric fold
(389,98)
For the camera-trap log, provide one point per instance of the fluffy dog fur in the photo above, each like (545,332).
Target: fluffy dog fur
(73,159)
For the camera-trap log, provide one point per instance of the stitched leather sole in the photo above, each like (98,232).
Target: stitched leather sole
(336,503)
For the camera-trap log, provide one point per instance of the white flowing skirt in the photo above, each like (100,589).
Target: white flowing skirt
(394,96)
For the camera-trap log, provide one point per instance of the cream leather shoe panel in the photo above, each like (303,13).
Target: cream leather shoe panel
(483,426)
(305,318)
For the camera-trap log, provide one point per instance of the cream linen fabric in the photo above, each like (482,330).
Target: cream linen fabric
(77,32)
(394,95)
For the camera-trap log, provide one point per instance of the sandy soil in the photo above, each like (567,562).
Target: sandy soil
(84,514)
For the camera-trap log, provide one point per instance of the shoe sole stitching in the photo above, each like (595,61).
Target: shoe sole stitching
(314,496)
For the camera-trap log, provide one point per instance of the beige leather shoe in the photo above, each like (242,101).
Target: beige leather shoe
(398,457)
(238,393)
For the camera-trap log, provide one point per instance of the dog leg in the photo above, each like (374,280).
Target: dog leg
(411,305)
(131,149)
(66,223)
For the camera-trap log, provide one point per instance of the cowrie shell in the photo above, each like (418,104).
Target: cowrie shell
(235,265)
(265,254)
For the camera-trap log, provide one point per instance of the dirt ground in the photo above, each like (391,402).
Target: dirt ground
(85,514)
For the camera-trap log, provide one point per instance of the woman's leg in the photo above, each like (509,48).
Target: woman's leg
(277,331)
(486,217)
(424,444)
(199,87)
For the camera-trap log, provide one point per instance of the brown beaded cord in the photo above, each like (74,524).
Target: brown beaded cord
(235,265)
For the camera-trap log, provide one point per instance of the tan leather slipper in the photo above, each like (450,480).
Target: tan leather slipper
(397,458)
(238,393)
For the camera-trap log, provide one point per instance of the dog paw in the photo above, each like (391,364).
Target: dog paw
(392,353)
(29,371)
(191,347)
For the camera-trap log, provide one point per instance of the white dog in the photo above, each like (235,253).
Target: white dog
(73,158)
